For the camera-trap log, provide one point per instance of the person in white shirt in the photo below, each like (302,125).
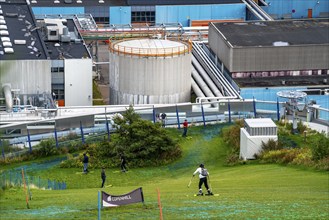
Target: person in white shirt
(203,173)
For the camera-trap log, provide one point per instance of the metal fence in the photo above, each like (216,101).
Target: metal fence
(100,126)
(14,177)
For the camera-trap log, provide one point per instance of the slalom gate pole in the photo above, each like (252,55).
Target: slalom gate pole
(190,182)
(27,184)
(99,205)
(159,204)
(27,198)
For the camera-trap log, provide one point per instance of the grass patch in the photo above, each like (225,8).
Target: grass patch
(251,191)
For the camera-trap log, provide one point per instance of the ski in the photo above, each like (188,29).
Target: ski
(206,195)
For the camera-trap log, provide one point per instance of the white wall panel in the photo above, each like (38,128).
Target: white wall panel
(78,82)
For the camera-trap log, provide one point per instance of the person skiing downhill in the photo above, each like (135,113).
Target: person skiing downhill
(203,173)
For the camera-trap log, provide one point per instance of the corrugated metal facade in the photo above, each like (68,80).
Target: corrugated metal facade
(149,80)
(29,76)
(184,14)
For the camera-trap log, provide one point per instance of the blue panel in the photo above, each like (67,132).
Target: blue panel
(183,14)
(205,12)
(57,10)
(229,12)
(297,8)
(120,15)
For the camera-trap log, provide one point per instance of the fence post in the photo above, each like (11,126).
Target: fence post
(2,149)
(277,109)
(55,132)
(82,136)
(254,105)
(177,115)
(154,120)
(107,128)
(203,118)
(29,140)
(229,111)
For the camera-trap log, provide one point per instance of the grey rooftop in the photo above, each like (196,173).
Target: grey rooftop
(271,33)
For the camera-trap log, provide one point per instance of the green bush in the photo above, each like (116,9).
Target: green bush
(231,135)
(142,142)
(271,144)
(45,148)
(320,146)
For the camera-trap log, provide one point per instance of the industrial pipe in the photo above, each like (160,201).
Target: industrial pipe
(8,97)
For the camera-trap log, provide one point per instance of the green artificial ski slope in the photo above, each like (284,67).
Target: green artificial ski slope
(252,191)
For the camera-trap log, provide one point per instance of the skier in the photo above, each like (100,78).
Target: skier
(203,173)
(123,163)
(85,163)
(103,176)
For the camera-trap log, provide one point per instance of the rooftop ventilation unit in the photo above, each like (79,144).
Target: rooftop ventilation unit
(34,1)
(7,44)
(5,39)
(100,1)
(2,22)
(79,1)
(20,42)
(56,2)
(4,33)
(1,10)
(8,50)
(3,27)
(2,18)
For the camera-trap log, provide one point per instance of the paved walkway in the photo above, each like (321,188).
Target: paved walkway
(318,127)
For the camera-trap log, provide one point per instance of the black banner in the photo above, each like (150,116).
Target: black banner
(117,200)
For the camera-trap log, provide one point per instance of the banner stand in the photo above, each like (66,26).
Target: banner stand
(99,205)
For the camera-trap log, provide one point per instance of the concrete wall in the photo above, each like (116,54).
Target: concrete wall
(78,82)
(306,57)
(30,76)
(284,58)
(146,80)
(220,46)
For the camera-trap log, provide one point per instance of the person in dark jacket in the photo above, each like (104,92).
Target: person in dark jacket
(123,163)
(85,163)
(103,176)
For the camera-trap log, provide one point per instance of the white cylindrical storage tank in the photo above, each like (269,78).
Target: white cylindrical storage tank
(149,71)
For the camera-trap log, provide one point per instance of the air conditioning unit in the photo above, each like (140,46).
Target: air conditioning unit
(53,33)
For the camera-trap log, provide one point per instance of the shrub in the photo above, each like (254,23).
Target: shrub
(271,144)
(232,158)
(231,135)
(320,146)
(45,148)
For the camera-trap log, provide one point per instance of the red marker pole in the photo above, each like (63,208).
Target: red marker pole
(159,204)
(27,198)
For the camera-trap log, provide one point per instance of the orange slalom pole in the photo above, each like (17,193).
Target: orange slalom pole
(27,198)
(159,204)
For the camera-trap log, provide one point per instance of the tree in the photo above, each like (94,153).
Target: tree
(143,142)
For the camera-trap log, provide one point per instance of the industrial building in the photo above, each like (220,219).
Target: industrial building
(272,48)
(185,12)
(40,61)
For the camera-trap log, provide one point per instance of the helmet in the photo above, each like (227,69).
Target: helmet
(202,165)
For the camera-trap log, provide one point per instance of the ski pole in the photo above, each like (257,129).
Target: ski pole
(190,182)
(209,183)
